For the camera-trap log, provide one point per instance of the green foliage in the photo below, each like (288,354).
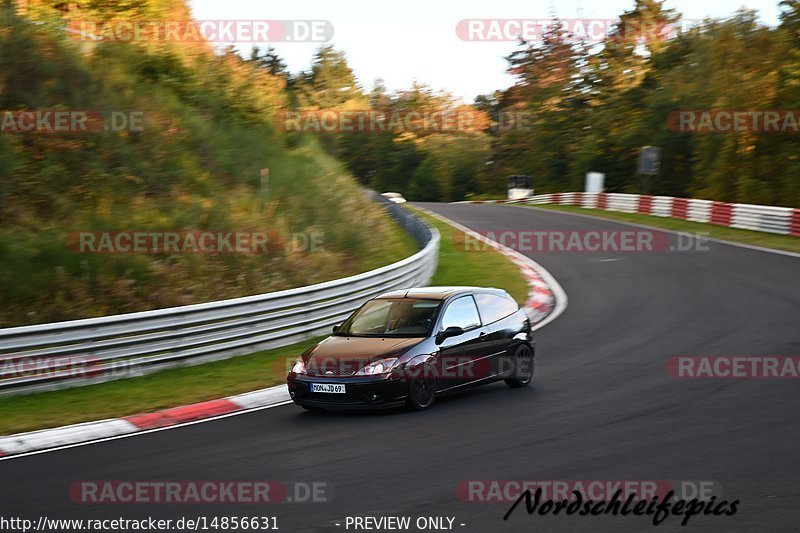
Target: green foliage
(423,163)
(208,131)
(330,84)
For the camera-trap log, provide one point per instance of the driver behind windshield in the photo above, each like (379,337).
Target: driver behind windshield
(401,317)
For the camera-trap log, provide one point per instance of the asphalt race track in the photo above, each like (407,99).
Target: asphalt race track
(602,407)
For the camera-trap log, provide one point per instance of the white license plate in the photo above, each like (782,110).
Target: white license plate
(330,388)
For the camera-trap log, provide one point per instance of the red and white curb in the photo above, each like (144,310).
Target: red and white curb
(68,436)
(546,301)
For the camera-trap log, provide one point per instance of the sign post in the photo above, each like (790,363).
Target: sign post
(649,162)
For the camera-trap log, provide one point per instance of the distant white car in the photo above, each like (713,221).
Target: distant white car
(520,187)
(395,197)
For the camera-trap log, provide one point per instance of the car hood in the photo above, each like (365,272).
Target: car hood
(343,356)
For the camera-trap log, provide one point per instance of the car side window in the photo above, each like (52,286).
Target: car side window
(494,307)
(461,313)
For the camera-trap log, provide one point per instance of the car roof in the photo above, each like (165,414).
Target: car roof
(439,293)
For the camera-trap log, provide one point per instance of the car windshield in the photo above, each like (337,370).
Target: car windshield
(392,317)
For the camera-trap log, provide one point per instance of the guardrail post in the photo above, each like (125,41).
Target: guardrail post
(602,201)
(721,213)
(794,224)
(680,207)
(645,204)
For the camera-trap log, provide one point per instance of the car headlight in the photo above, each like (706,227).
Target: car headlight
(381,366)
(299,366)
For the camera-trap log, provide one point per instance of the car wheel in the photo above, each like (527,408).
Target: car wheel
(421,390)
(523,367)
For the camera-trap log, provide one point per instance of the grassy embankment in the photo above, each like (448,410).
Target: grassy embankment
(194,164)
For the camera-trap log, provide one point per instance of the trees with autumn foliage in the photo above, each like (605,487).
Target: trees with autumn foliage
(590,106)
(195,165)
(595,105)
(432,161)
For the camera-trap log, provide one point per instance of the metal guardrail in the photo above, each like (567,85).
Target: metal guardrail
(81,352)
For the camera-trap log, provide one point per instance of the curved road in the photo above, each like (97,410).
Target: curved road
(602,408)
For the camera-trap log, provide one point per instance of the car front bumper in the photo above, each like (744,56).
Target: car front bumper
(360,393)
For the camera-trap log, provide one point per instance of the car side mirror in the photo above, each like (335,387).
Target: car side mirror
(336,328)
(452,331)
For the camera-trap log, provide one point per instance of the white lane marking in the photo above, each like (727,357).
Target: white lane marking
(259,398)
(605,259)
(558,292)
(143,432)
(75,433)
(674,232)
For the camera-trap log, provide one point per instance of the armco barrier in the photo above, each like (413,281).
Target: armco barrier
(627,203)
(699,210)
(770,219)
(85,351)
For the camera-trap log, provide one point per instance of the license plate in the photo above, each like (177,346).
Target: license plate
(330,388)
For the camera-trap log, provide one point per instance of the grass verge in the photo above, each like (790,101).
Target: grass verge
(754,238)
(237,375)
(160,390)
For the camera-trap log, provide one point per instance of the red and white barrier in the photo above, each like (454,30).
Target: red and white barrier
(770,219)
(117,427)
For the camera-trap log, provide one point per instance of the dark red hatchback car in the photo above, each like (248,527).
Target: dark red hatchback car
(406,347)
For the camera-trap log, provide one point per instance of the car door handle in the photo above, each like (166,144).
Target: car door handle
(482,335)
